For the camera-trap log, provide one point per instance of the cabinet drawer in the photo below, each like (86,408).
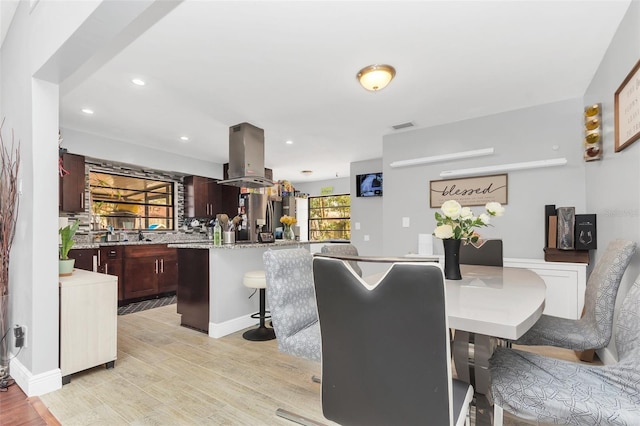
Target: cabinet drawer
(151,250)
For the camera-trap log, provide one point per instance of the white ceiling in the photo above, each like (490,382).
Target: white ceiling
(289,68)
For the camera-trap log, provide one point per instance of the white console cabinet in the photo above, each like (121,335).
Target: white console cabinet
(88,321)
(566,284)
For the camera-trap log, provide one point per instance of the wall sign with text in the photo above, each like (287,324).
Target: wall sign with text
(472,191)
(627,110)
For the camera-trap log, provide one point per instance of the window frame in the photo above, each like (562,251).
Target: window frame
(149,195)
(311,219)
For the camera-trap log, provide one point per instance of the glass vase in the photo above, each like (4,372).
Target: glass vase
(288,234)
(452,259)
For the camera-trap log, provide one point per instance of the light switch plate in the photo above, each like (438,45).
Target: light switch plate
(405,222)
(366,238)
(357,226)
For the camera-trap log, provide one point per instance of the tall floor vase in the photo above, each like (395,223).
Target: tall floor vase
(4,344)
(452,259)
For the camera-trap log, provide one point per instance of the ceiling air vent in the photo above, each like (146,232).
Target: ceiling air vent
(402,125)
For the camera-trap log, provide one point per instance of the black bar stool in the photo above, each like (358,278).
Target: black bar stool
(257,280)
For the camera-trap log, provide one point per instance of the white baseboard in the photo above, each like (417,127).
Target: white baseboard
(217,330)
(38,384)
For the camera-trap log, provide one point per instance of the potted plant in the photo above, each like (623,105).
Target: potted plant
(65,265)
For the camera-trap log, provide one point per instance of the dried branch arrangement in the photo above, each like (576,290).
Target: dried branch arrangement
(9,167)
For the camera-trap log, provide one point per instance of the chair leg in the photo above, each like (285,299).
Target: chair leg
(498,415)
(586,356)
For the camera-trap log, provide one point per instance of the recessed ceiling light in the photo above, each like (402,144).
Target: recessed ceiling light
(87,111)
(289,142)
(306,172)
(137,82)
(184,138)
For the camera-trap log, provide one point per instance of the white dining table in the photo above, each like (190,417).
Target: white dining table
(490,305)
(495,301)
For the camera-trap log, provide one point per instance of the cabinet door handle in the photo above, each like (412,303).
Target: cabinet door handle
(162,266)
(99,264)
(82,200)
(106,268)
(156,266)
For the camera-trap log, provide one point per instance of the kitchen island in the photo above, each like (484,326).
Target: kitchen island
(211,296)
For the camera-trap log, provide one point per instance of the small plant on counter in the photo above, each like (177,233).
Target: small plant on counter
(66,236)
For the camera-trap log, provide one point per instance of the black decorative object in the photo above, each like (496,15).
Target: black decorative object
(586,237)
(452,259)
(549,210)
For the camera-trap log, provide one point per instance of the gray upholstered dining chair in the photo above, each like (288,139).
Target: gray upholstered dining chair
(548,390)
(489,253)
(343,250)
(385,347)
(291,299)
(292,304)
(593,330)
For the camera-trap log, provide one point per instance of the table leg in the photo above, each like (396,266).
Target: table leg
(471,353)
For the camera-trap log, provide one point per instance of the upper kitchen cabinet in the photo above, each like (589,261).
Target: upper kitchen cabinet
(203,197)
(72,185)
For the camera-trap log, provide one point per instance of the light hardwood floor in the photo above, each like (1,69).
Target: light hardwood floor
(166,374)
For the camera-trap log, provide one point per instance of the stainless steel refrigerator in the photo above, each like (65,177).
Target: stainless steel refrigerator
(253,210)
(259,214)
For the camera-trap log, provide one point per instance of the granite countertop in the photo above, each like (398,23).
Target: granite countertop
(240,245)
(183,240)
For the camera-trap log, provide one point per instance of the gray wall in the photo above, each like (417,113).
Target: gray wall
(613,184)
(340,186)
(103,148)
(536,133)
(367,213)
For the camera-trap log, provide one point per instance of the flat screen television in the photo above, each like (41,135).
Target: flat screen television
(369,185)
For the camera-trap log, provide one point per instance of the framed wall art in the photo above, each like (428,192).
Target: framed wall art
(627,110)
(471,191)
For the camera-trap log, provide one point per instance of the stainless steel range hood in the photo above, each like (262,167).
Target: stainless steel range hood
(246,157)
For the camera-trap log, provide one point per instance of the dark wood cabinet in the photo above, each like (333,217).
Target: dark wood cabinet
(229,200)
(72,185)
(229,195)
(149,270)
(203,197)
(83,257)
(193,288)
(110,262)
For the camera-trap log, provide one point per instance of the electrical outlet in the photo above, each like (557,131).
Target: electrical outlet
(20,335)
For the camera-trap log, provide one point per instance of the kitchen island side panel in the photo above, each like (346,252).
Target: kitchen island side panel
(230,307)
(219,270)
(193,288)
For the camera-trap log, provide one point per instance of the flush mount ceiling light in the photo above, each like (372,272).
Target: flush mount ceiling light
(184,138)
(87,111)
(138,82)
(376,77)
